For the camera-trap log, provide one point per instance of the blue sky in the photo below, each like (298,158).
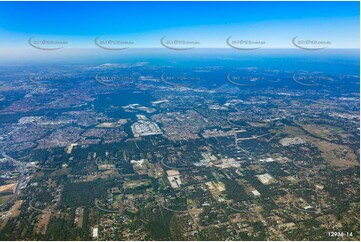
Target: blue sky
(211,23)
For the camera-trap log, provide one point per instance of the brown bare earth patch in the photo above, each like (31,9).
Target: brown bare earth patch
(8,187)
(326,131)
(79,224)
(340,156)
(3,222)
(43,219)
(318,130)
(90,178)
(14,211)
(194,213)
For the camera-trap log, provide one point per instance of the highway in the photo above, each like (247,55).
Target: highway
(21,167)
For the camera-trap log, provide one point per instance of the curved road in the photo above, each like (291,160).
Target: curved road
(173,210)
(304,210)
(238,210)
(36,209)
(106,210)
(173,168)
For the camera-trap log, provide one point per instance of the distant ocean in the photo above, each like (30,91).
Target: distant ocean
(333,61)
